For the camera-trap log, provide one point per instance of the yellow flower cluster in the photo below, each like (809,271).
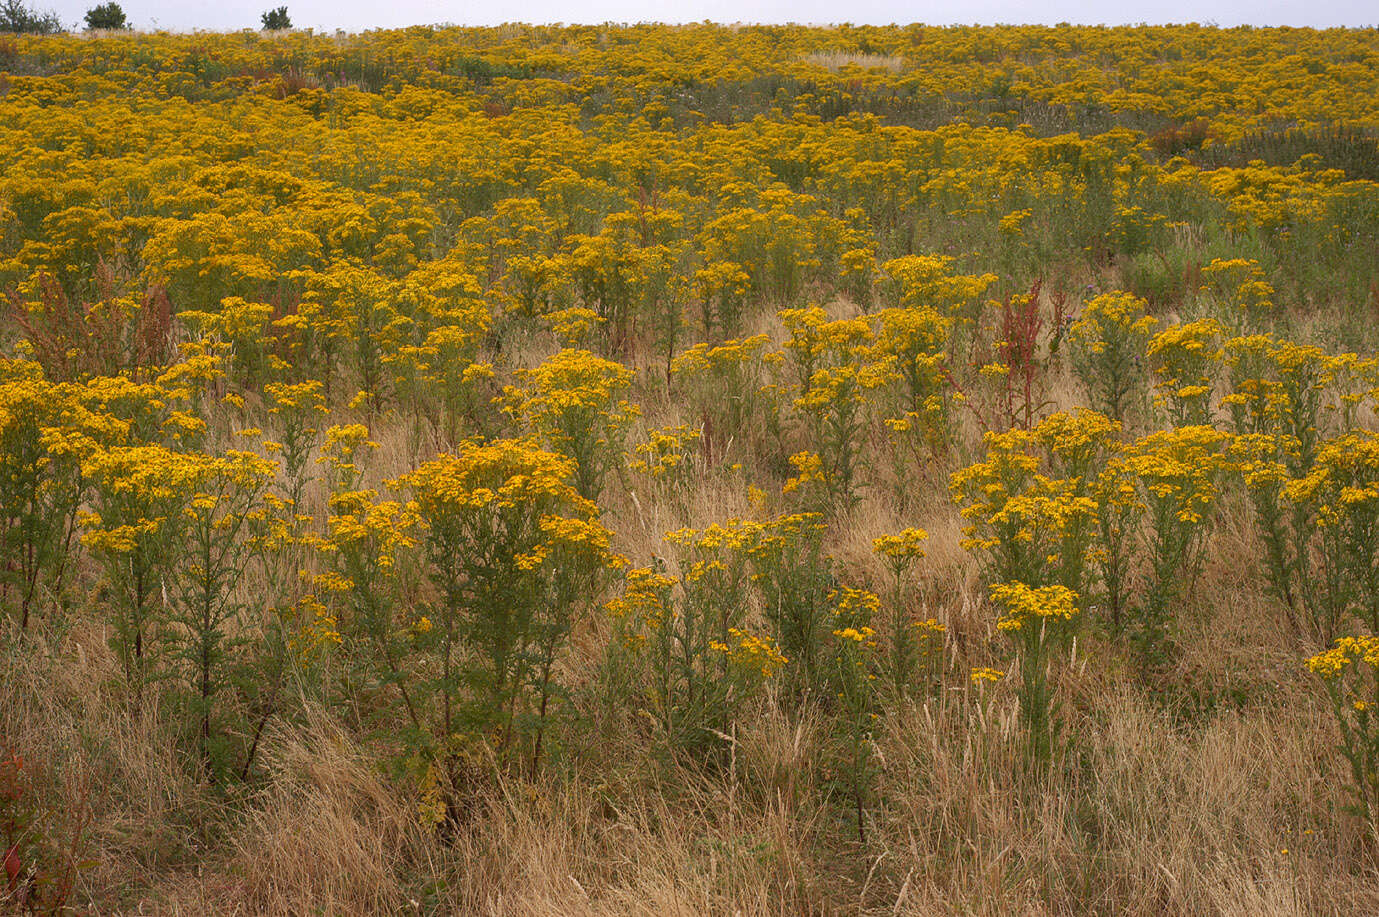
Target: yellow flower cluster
(501,476)
(665,451)
(342,444)
(1344,481)
(645,598)
(1110,317)
(1034,486)
(1348,652)
(753,652)
(809,469)
(853,607)
(1025,605)
(360,521)
(574,400)
(908,544)
(140,488)
(1240,283)
(1180,469)
(1185,357)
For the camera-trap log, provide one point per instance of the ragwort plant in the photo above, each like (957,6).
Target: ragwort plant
(835,377)
(1108,343)
(1032,513)
(296,409)
(574,401)
(206,639)
(1242,294)
(1030,506)
(1279,408)
(853,678)
(1185,358)
(133,530)
(1262,461)
(41,488)
(914,645)
(514,551)
(699,660)
(910,350)
(356,594)
(1119,515)
(1350,671)
(1179,474)
(1037,619)
(792,575)
(913,340)
(929,281)
(1341,494)
(712,625)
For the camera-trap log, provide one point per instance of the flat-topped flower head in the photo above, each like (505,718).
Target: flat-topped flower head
(1023,606)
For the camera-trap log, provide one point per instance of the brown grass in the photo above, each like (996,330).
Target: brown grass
(834,61)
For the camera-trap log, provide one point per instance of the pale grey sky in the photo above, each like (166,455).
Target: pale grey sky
(356,15)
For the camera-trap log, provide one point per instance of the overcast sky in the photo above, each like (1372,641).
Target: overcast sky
(357,15)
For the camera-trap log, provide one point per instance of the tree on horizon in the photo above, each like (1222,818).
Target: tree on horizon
(276,20)
(106,16)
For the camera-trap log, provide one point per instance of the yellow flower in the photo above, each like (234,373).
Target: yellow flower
(906,544)
(1348,653)
(1023,604)
(1013,223)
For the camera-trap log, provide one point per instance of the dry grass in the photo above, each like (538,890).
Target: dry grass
(834,61)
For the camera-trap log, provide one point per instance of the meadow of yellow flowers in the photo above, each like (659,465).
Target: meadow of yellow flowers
(695,469)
